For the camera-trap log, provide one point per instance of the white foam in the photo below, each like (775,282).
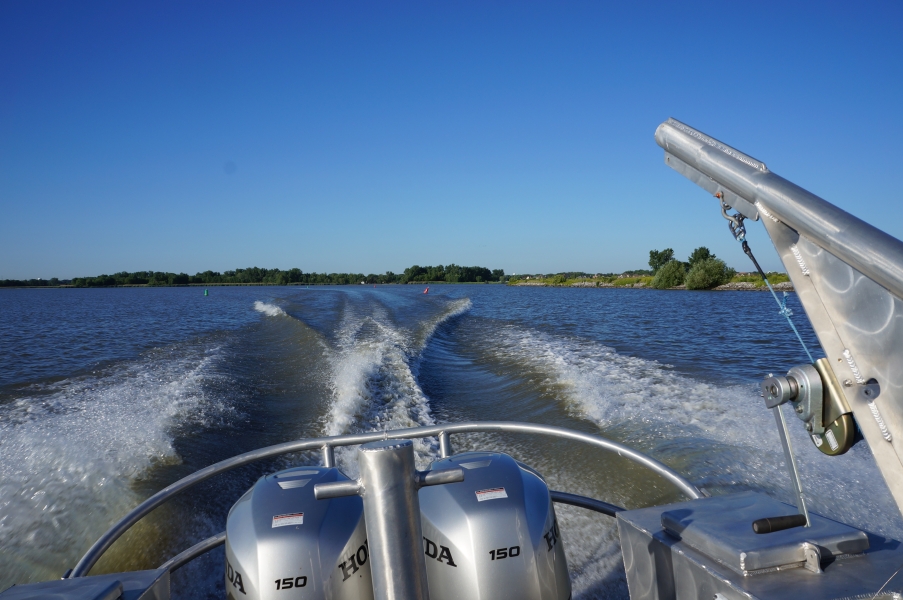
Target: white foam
(609,388)
(71,451)
(374,377)
(270,310)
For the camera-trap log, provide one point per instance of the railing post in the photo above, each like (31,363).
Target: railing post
(388,486)
(445,447)
(392,513)
(328,456)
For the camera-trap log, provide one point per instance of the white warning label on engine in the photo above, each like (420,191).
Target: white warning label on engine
(491,494)
(289,519)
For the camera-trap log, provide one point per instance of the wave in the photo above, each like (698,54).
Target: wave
(599,384)
(72,449)
(270,310)
(677,418)
(455,309)
(374,377)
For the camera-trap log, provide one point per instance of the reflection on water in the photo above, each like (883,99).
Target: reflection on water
(109,395)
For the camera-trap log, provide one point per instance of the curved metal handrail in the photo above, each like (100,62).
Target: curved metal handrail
(182,558)
(588,503)
(327,443)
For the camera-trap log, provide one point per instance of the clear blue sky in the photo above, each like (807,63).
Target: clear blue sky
(369,136)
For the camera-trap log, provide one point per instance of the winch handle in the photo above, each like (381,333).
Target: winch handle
(773,524)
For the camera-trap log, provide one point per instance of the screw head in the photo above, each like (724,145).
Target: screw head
(809,427)
(847,383)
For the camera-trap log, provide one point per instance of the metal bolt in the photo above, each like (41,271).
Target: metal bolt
(847,383)
(867,392)
(799,409)
(809,427)
(774,391)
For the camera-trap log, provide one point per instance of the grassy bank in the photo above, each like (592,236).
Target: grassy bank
(560,280)
(637,281)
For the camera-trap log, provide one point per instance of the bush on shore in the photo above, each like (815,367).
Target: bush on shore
(708,273)
(670,275)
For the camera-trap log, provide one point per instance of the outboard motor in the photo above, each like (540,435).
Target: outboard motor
(494,535)
(284,544)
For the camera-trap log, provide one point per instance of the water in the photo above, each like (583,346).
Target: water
(108,395)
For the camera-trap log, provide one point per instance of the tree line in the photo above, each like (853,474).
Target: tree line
(34,282)
(701,271)
(448,273)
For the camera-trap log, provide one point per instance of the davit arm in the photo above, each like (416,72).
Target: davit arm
(847,273)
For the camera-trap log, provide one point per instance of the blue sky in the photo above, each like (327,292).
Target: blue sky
(352,136)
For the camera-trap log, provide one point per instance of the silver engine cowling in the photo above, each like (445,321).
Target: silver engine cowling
(494,535)
(282,543)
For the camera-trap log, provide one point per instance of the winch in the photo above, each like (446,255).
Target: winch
(819,402)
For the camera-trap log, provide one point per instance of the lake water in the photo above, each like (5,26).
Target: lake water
(107,395)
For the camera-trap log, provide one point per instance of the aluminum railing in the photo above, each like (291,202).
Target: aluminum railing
(327,446)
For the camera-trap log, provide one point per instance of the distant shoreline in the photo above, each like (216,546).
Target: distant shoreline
(206,285)
(743,286)
(785,286)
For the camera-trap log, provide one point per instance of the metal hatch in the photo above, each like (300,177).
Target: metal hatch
(721,529)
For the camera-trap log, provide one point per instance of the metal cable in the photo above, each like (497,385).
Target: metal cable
(739,233)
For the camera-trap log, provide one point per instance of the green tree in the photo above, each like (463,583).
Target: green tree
(708,273)
(412,273)
(671,274)
(659,258)
(701,253)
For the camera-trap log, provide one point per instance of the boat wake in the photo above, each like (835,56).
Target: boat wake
(374,376)
(74,448)
(270,310)
(721,436)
